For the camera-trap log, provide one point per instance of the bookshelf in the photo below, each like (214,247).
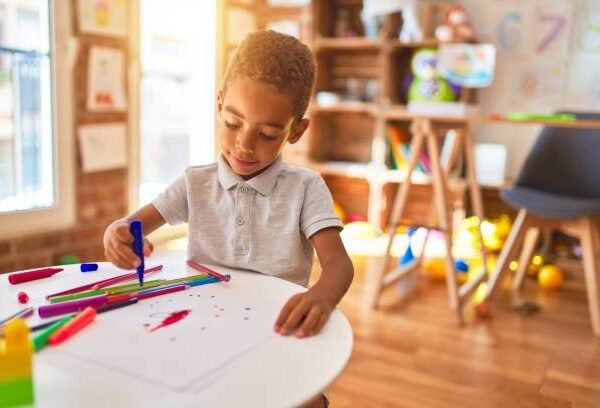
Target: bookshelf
(348,139)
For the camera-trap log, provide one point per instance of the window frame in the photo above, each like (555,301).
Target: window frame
(62,57)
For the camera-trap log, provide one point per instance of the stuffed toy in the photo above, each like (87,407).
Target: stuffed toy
(457,26)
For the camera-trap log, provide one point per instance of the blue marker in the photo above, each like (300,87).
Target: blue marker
(135,227)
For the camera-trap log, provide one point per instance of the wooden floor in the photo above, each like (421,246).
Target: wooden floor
(412,354)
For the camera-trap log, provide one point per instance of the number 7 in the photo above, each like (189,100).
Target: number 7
(558,24)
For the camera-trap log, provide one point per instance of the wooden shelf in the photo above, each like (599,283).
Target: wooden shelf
(350,107)
(365,171)
(345,169)
(426,42)
(347,44)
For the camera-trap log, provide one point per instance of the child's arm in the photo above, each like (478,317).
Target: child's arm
(117,237)
(308,312)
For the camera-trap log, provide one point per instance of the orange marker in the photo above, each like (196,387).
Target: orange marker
(73,326)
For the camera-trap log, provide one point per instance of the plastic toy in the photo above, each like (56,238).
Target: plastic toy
(462,267)
(16,383)
(411,30)
(550,277)
(456,26)
(408,256)
(427,85)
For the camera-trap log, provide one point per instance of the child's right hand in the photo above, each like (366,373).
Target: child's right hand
(118,249)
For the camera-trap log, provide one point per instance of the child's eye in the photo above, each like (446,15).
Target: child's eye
(231,125)
(268,137)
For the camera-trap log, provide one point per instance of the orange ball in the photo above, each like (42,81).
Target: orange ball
(550,277)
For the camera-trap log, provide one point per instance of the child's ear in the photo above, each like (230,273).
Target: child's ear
(298,130)
(220,97)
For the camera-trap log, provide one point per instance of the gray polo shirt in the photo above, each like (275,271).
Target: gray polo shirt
(262,224)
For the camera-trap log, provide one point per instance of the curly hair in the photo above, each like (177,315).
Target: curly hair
(276,59)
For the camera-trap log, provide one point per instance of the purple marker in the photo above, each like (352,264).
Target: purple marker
(70,306)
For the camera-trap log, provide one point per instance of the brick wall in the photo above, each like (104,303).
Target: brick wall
(101,197)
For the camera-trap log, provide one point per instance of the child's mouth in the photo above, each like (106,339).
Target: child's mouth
(244,163)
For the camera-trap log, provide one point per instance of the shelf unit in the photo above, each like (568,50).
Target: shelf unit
(346,141)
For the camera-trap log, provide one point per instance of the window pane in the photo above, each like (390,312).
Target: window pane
(177,93)
(26,143)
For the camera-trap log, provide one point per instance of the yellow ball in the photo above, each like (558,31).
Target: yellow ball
(435,267)
(550,277)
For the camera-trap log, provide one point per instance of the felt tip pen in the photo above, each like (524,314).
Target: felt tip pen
(136,229)
(73,326)
(104,282)
(26,276)
(28,311)
(56,309)
(40,341)
(204,269)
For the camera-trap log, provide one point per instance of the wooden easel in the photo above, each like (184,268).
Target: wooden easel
(424,133)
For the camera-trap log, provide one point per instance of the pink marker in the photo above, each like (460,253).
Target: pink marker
(209,271)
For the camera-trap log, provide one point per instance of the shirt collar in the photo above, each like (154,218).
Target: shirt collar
(263,183)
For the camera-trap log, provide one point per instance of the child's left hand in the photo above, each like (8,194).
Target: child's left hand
(304,312)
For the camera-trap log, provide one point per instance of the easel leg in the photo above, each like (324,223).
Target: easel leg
(439,191)
(398,209)
(509,250)
(475,190)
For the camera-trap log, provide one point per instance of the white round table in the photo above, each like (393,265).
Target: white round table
(279,372)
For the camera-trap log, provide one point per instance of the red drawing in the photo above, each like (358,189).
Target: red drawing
(170,319)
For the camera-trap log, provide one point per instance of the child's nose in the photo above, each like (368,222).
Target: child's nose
(246,142)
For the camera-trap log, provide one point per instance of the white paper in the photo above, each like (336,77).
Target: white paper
(226,320)
(103,17)
(103,146)
(106,80)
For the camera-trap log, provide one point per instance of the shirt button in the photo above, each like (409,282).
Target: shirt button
(244,189)
(239,221)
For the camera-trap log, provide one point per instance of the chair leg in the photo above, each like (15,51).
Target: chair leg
(531,239)
(590,246)
(508,252)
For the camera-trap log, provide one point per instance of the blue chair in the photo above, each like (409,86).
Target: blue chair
(558,188)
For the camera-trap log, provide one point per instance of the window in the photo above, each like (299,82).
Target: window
(35,135)
(177,90)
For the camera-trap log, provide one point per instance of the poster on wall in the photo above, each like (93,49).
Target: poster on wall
(106,82)
(102,17)
(530,85)
(539,28)
(102,146)
(470,65)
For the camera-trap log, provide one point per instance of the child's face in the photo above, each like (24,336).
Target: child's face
(255,122)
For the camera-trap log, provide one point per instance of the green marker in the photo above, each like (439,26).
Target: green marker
(40,341)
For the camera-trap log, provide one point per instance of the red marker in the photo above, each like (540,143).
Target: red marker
(73,326)
(27,276)
(209,271)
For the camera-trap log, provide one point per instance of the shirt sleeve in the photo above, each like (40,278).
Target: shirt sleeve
(172,203)
(317,209)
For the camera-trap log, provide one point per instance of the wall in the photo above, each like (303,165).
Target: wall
(101,197)
(548,59)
